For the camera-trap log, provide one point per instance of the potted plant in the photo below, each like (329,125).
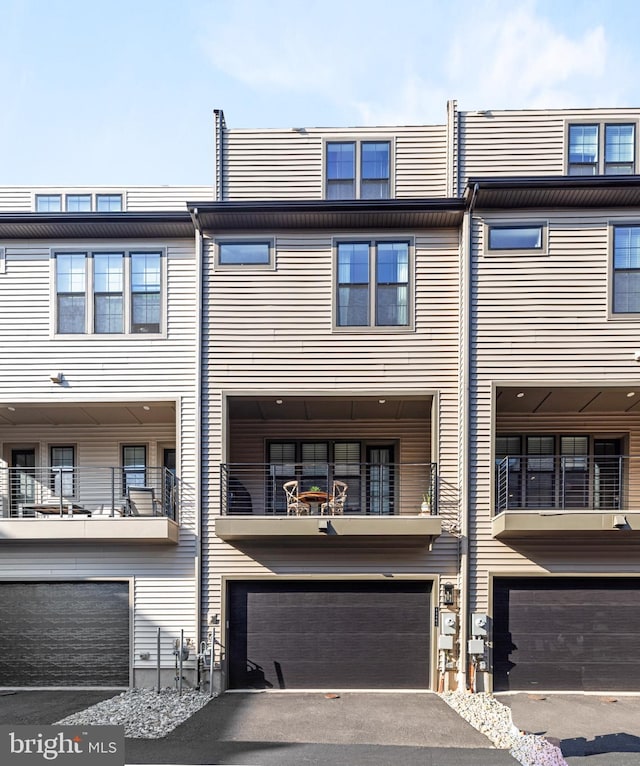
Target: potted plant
(314,488)
(425,506)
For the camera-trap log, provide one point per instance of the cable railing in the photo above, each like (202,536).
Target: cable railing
(105,491)
(567,483)
(384,489)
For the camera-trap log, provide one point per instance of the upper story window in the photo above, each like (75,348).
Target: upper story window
(48,203)
(519,237)
(108,292)
(373,284)
(626,270)
(108,203)
(607,149)
(78,203)
(358,170)
(244,253)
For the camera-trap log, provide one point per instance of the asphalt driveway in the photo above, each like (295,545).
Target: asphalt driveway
(594,730)
(354,729)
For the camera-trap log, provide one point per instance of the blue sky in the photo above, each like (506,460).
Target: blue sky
(123,92)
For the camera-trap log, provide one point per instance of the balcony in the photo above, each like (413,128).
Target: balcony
(388,504)
(567,495)
(104,504)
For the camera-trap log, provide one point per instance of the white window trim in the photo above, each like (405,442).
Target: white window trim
(271,266)
(515,224)
(64,193)
(602,123)
(359,139)
(88,252)
(3,260)
(371,327)
(616,316)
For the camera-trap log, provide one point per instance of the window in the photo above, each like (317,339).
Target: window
(62,471)
(618,149)
(78,203)
(71,292)
(583,150)
(246,253)
(48,203)
(109,203)
(626,270)
(145,292)
(373,284)
(358,170)
(108,273)
(108,293)
(134,467)
(558,471)
(516,237)
(315,464)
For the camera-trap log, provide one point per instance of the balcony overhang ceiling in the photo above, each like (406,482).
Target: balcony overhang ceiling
(567,400)
(328,408)
(553,192)
(321,214)
(87,413)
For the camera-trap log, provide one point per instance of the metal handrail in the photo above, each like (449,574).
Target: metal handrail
(373,488)
(83,490)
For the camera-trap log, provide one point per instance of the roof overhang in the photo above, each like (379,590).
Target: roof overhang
(320,214)
(166,225)
(554,192)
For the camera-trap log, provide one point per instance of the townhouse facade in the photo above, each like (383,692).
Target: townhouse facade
(98,434)
(427,333)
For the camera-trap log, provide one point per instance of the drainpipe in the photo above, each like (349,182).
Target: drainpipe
(198,424)
(465,428)
(219,129)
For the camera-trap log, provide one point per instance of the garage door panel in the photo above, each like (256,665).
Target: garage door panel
(314,635)
(567,634)
(64,634)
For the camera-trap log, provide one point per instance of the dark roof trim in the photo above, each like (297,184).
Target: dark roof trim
(322,214)
(166,225)
(554,192)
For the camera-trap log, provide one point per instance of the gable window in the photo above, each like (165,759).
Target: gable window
(373,284)
(516,237)
(358,170)
(108,292)
(109,203)
(626,270)
(78,203)
(48,203)
(246,253)
(607,148)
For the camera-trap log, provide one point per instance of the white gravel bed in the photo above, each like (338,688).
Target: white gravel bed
(144,713)
(493,719)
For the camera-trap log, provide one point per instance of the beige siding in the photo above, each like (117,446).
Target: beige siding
(111,369)
(21,199)
(543,320)
(296,351)
(289,164)
(522,143)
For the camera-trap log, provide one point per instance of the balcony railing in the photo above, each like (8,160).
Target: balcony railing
(383,489)
(90,490)
(567,483)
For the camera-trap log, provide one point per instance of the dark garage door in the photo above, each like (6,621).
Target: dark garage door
(64,634)
(567,634)
(347,635)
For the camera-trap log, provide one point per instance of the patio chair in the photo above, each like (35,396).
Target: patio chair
(141,501)
(294,504)
(336,503)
